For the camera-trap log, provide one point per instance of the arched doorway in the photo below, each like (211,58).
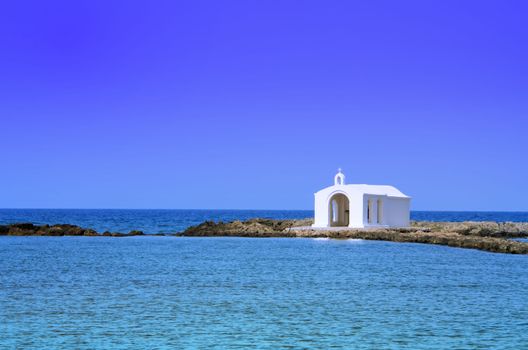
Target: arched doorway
(338,210)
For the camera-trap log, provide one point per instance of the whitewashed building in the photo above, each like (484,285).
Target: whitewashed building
(360,206)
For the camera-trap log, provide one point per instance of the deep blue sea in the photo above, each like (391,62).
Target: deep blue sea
(268,293)
(175,220)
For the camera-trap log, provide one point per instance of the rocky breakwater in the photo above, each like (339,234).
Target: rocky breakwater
(249,228)
(487,236)
(28,229)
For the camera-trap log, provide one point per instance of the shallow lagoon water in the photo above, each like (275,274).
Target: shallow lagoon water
(168,292)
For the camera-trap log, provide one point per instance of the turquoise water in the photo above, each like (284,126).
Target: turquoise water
(167,292)
(172,292)
(170,221)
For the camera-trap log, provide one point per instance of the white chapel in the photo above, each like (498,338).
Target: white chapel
(360,206)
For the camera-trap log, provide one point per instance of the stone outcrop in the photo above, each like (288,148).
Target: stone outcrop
(28,229)
(473,228)
(249,228)
(488,236)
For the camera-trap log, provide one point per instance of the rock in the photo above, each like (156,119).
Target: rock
(488,236)
(90,232)
(250,228)
(64,230)
(473,228)
(4,230)
(22,229)
(23,226)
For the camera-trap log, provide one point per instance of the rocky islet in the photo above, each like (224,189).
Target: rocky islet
(498,237)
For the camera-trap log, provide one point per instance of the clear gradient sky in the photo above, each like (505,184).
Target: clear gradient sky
(255,104)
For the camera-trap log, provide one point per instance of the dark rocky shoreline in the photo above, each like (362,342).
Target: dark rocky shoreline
(29,229)
(487,236)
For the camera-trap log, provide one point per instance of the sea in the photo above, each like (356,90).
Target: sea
(166,292)
(152,221)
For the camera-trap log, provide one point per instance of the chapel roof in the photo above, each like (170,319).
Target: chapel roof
(378,190)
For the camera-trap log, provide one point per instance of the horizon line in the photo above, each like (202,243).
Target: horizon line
(221,209)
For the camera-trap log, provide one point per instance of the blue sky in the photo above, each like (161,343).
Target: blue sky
(255,104)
